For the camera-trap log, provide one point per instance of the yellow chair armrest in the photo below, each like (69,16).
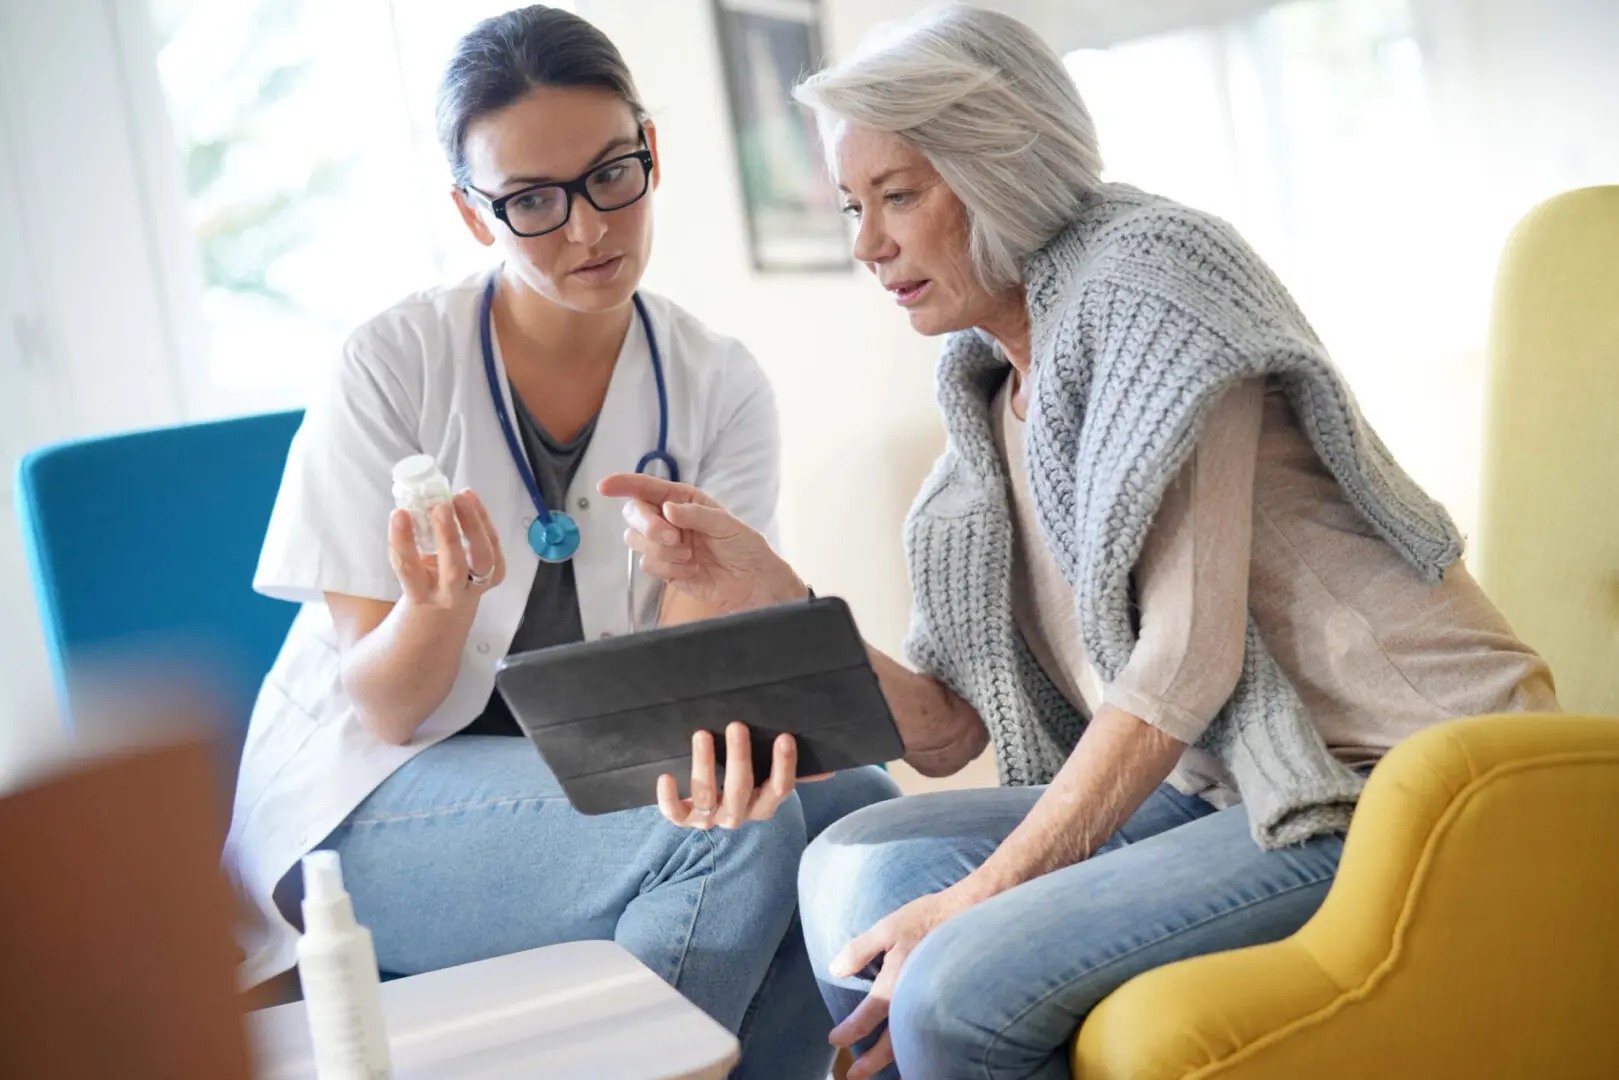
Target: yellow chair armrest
(1167,1022)
(1471,931)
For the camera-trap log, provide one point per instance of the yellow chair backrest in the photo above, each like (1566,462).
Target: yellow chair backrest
(1548,542)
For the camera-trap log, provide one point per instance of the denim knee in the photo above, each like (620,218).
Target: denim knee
(939,1021)
(835,798)
(767,853)
(847,883)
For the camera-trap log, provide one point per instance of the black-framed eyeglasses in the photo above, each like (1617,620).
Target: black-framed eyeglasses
(544,208)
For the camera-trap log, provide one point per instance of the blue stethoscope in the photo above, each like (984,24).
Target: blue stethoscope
(554,535)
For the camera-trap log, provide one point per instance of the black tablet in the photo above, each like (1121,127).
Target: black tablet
(610,716)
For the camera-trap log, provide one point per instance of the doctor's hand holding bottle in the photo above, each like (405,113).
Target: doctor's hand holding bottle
(466,562)
(399,659)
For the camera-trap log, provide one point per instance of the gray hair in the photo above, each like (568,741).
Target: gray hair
(992,108)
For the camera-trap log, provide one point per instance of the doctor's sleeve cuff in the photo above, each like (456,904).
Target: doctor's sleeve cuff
(328,531)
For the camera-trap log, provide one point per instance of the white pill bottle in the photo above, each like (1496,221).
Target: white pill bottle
(418,487)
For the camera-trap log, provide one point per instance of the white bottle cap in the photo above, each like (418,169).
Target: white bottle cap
(414,469)
(323,877)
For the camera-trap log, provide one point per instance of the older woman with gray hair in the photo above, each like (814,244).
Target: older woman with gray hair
(1164,566)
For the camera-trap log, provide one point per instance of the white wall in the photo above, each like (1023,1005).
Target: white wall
(1527,93)
(88,338)
(1525,101)
(97,283)
(1066,24)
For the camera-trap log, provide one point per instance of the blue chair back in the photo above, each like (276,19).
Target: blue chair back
(143,546)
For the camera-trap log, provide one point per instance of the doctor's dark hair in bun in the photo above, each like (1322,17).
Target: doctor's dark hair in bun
(504,57)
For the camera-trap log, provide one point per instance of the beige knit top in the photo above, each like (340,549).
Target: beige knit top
(1255,521)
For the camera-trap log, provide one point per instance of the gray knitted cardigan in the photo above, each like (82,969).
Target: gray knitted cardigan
(1143,312)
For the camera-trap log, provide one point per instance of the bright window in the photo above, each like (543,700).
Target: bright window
(318,194)
(1308,127)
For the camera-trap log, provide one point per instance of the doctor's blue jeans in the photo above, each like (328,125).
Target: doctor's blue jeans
(471,850)
(998,991)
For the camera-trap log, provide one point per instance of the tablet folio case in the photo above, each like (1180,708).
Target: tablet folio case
(610,716)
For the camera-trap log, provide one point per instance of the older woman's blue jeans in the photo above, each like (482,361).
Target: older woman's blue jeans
(471,850)
(998,991)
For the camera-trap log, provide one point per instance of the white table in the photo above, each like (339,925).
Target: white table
(584,1009)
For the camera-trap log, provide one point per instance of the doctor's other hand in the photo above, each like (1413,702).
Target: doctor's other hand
(740,801)
(697,546)
(467,563)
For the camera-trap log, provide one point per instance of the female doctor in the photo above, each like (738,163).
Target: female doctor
(377,733)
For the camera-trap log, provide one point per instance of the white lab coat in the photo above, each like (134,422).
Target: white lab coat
(412,381)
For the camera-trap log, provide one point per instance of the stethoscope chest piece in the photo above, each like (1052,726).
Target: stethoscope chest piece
(553,535)
(556,540)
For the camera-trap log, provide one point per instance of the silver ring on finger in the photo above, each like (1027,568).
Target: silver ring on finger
(481,579)
(703,811)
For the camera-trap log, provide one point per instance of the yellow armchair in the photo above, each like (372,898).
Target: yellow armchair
(1473,931)
(1473,928)
(1547,549)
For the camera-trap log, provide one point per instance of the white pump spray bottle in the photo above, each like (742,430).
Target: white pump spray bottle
(337,964)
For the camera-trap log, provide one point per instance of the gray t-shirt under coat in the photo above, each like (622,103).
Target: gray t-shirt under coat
(551,616)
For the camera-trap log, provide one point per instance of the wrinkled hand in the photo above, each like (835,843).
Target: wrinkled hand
(894,939)
(741,801)
(444,579)
(690,541)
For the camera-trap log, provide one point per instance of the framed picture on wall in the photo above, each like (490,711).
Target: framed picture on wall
(792,206)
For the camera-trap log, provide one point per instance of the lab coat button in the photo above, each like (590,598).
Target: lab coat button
(584,504)
(483,646)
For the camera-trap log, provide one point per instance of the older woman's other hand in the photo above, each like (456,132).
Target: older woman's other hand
(894,938)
